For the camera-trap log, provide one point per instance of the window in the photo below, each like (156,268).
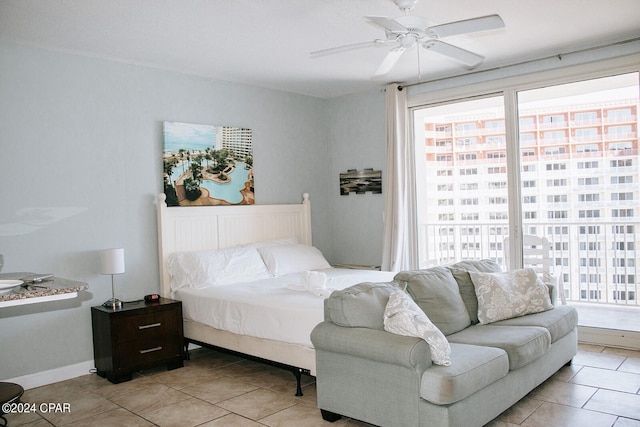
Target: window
(556,166)
(624,295)
(588,165)
(560,182)
(621,163)
(558,119)
(466,141)
(622,213)
(623,279)
(622,196)
(589,213)
(619,131)
(623,229)
(585,118)
(621,115)
(591,246)
(627,179)
(589,181)
(463,127)
(593,294)
(496,155)
(469,216)
(591,148)
(557,198)
(620,146)
(623,262)
(557,214)
(575,179)
(590,197)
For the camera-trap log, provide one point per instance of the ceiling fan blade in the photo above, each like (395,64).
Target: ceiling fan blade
(467,58)
(345,48)
(387,24)
(484,23)
(389,61)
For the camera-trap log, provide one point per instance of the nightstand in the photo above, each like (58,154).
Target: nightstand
(139,335)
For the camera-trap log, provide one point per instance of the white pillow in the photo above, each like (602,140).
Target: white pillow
(201,269)
(402,316)
(289,259)
(509,294)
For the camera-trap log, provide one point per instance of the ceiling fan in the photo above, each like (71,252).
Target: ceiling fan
(409,30)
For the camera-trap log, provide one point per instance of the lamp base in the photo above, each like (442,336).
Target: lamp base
(114,303)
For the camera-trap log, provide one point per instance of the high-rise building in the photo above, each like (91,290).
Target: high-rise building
(579,188)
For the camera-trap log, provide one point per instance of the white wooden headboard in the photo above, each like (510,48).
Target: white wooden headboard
(196,228)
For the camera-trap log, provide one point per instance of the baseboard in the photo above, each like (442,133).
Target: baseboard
(609,337)
(53,375)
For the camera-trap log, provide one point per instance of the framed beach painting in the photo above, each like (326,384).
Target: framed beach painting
(207,165)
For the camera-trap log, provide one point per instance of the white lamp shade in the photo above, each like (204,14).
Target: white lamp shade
(112,261)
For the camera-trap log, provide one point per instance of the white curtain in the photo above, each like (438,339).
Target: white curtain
(400,234)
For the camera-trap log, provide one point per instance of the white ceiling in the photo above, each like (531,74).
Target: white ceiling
(267,42)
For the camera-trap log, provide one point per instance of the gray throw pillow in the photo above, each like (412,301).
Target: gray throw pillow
(460,271)
(360,306)
(436,293)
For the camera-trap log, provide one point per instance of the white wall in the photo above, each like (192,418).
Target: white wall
(80,168)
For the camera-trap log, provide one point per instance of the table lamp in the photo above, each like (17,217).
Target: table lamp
(112,262)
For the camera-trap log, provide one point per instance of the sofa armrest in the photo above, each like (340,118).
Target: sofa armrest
(372,344)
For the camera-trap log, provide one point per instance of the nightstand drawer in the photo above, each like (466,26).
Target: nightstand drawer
(151,325)
(135,354)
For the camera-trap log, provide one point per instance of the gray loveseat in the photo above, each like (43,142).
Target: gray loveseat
(368,374)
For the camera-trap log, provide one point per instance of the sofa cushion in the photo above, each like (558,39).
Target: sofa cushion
(510,294)
(472,368)
(402,316)
(523,344)
(559,321)
(359,306)
(436,293)
(460,271)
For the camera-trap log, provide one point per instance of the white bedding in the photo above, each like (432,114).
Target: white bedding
(268,308)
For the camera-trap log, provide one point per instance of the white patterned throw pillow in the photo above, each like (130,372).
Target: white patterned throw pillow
(402,316)
(509,294)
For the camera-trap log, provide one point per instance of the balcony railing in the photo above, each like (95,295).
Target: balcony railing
(597,262)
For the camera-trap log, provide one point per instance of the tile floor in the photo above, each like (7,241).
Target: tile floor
(601,388)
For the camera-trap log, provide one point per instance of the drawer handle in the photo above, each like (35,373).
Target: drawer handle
(150,350)
(151,325)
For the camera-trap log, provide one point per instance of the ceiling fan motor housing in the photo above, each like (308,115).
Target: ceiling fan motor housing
(405,4)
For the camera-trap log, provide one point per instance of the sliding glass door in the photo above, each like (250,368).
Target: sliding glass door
(461,181)
(564,166)
(580,183)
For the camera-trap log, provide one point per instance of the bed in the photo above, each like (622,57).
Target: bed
(266,316)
